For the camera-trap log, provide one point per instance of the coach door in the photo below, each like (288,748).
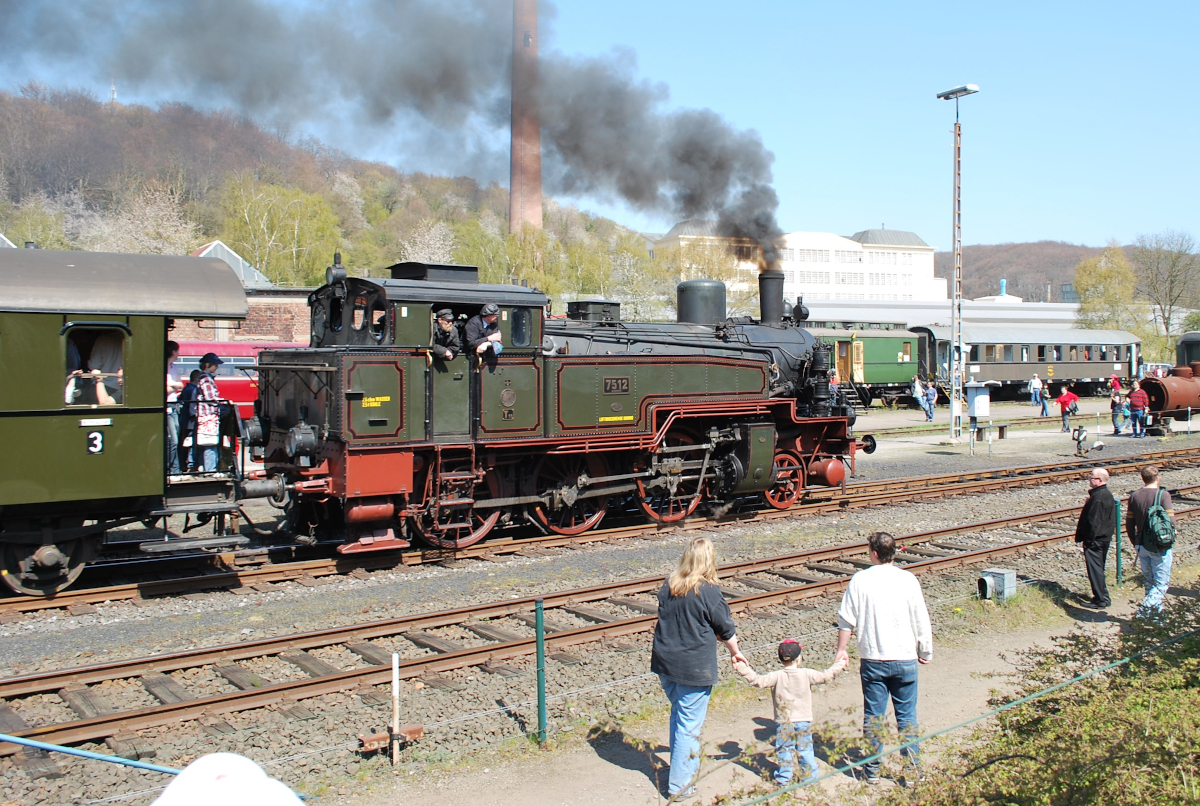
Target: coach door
(857,362)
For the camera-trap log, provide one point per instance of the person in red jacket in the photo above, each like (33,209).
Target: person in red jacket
(1138,401)
(1064,401)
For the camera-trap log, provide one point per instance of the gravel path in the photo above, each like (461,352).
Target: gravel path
(123,630)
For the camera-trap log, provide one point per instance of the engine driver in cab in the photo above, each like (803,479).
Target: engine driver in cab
(482,331)
(447,343)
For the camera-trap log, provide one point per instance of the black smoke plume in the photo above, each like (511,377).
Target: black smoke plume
(437,66)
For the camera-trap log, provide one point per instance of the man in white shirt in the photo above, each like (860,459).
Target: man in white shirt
(884,605)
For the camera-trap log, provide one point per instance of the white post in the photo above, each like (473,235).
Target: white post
(395,708)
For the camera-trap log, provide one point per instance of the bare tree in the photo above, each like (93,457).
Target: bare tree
(1167,272)
(431,242)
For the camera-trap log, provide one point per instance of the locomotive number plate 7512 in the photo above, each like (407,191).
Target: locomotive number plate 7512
(616,386)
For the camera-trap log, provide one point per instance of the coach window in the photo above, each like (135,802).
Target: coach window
(989,353)
(95,367)
(974,354)
(522,327)
(1074,353)
(1058,353)
(1041,353)
(907,351)
(1103,352)
(1008,353)
(1024,352)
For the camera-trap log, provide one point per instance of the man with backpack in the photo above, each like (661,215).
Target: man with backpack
(1150,524)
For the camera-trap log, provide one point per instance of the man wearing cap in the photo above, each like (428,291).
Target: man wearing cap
(482,331)
(447,344)
(208,415)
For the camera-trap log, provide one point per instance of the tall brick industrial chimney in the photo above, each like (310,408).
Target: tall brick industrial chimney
(525,180)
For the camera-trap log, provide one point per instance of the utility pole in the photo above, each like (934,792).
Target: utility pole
(956,345)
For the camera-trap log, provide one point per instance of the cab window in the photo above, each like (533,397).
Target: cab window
(522,327)
(95,361)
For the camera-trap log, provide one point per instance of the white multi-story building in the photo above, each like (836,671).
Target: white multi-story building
(881,265)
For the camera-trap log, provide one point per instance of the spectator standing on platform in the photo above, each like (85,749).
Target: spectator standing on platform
(1138,401)
(883,604)
(187,421)
(918,392)
(692,617)
(1094,532)
(1067,405)
(1035,390)
(1116,402)
(208,415)
(1155,561)
(931,395)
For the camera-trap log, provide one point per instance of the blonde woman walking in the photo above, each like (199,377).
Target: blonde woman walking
(692,616)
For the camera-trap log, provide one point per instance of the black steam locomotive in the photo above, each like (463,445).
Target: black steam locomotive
(373,432)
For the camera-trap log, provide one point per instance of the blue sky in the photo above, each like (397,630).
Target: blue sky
(1083,130)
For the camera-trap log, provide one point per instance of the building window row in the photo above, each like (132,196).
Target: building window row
(846,256)
(817,277)
(888,278)
(849,278)
(787,254)
(749,253)
(812,255)
(882,258)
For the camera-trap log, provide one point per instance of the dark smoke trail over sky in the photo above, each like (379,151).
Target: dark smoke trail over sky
(437,70)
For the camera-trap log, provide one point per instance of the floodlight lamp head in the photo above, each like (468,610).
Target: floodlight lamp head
(958,92)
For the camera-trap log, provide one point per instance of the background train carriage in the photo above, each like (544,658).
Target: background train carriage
(1011,354)
(75,465)
(876,361)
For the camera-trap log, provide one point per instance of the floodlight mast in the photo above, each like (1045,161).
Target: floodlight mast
(956,345)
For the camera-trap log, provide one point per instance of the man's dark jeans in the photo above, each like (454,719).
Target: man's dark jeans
(882,679)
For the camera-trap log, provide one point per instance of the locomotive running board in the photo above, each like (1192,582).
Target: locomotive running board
(160,546)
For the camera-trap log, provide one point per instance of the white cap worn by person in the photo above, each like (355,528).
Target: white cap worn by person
(225,779)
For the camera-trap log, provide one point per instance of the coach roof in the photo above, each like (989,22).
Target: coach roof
(46,280)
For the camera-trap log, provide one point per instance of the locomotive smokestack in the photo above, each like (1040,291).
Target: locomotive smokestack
(770,296)
(525,178)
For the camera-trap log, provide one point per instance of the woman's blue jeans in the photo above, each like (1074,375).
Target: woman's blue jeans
(689,706)
(881,680)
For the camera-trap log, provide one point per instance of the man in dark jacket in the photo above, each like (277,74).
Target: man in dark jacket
(483,333)
(447,344)
(1097,525)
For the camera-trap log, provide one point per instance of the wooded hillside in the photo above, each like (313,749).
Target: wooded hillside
(77,173)
(1028,268)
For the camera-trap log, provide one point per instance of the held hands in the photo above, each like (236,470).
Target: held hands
(737,657)
(842,657)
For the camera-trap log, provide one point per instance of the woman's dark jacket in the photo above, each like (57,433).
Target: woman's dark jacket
(685,640)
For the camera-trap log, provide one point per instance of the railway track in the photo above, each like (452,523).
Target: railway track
(484,636)
(222,573)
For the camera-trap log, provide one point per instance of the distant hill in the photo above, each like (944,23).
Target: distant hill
(1028,268)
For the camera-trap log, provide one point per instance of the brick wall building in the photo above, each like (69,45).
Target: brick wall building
(278,314)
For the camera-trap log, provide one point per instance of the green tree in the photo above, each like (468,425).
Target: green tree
(1192,321)
(1105,285)
(36,219)
(288,235)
